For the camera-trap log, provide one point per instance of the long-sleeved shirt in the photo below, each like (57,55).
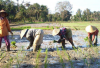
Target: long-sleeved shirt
(31,34)
(4,27)
(94,34)
(65,33)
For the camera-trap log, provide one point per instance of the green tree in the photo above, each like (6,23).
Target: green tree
(78,15)
(43,13)
(57,16)
(87,14)
(36,10)
(21,15)
(49,17)
(65,15)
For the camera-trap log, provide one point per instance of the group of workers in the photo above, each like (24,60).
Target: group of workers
(35,36)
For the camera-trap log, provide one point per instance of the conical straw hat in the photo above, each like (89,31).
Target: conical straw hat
(3,11)
(23,32)
(90,29)
(55,32)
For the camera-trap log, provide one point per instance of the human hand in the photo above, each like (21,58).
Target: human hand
(59,40)
(63,39)
(11,33)
(28,47)
(54,41)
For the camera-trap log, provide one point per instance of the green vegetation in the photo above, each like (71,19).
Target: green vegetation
(15,58)
(38,54)
(81,52)
(61,59)
(22,13)
(86,39)
(80,25)
(46,57)
(28,27)
(21,28)
(13,44)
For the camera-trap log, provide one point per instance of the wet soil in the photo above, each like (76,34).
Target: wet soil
(20,57)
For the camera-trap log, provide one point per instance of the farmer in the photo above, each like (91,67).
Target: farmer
(65,34)
(4,29)
(35,37)
(92,34)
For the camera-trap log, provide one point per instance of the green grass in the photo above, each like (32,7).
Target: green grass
(21,28)
(73,25)
(80,25)
(44,28)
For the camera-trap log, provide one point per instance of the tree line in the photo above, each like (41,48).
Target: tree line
(36,12)
(86,15)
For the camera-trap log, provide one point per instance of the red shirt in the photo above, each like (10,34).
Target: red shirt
(94,33)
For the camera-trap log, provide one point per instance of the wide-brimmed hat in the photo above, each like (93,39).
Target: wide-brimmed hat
(55,32)
(3,11)
(23,32)
(90,29)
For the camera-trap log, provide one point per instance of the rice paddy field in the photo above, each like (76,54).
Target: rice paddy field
(51,55)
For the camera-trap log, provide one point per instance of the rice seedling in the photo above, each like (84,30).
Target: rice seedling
(47,26)
(2,55)
(75,49)
(57,27)
(22,48)
(85,61)
(75,28)
(61,59)
(37,58)
(13,44)
(46,63)
(52,27)
(68,58)
(9,63)
(96,50)
(18,61)
(86,39)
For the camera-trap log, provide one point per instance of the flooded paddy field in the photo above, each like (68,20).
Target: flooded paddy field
(51,54)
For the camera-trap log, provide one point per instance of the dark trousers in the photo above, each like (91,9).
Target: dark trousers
(6,41)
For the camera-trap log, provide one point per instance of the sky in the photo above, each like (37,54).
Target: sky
(93,5)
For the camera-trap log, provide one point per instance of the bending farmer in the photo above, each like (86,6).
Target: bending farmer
(92,34)
(65,34)
(35,36)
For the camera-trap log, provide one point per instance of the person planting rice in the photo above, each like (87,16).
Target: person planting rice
(92,34)
(4,29)
(35,36)
(65,34)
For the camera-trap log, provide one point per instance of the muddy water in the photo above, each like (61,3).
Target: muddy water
(78,39)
